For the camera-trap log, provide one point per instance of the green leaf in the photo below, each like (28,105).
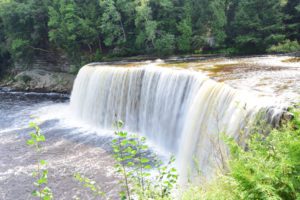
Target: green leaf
(144,160)
(36,193)
(30,142)
(122,134)
(173,170)
(133,152)
(120,124)
(47,197)
(41,138)
(114,141)
(144,147)
(33,135)
(43,162)
(32,125)
(34,174)
(133,142)
(148,167)
(42,181)
(124,142)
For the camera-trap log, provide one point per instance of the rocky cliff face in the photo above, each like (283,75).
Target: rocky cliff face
(47,73)
(40,80)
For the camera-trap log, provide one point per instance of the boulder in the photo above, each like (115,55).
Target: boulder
(40,80)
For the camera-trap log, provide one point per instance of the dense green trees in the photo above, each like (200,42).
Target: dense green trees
(292,13)
(112,26)
(88,30)
(24,27)
(258,24)
(208,17)
(3,51)
(73,29)
(184,28)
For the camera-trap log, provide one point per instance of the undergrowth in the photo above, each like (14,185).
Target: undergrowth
(268,169)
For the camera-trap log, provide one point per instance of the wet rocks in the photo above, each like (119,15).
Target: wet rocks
(287,116)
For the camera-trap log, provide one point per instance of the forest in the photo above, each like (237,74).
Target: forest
(89,30)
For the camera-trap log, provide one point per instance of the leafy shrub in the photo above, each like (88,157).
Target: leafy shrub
(134,164)
(42,191)
(5,60)
(185,37)
(90,184)
(20,50)
(165,44)
(268,169)
(229,51)
(198,51)
(285,47)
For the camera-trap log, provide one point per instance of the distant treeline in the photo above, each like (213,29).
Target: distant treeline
(87,30)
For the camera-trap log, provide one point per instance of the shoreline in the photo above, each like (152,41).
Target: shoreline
(40,81)
(47,81)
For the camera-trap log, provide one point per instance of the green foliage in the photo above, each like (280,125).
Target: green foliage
(19,48)
(87,31)
(111,24)
(208,17)
(135,164)
(258,25)
(184,39)
(90,184)
(165,44)
(268,169)
(4,63)
(4,54)
(43,191)
(146,27)
(62,24)
(24,26)
(75,28)
(292,19)
(285,47)
(217,10)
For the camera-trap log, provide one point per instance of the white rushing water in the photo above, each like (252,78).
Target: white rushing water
(181,111)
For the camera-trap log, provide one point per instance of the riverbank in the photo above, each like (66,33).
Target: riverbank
(48,78)
(39,80)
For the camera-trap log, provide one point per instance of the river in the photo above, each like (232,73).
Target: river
(175,103)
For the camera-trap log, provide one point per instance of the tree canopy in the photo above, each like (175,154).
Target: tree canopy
(87,30)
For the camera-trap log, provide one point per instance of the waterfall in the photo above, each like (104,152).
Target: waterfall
(181,111)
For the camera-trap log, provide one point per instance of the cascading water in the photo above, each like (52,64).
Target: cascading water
(181,111)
